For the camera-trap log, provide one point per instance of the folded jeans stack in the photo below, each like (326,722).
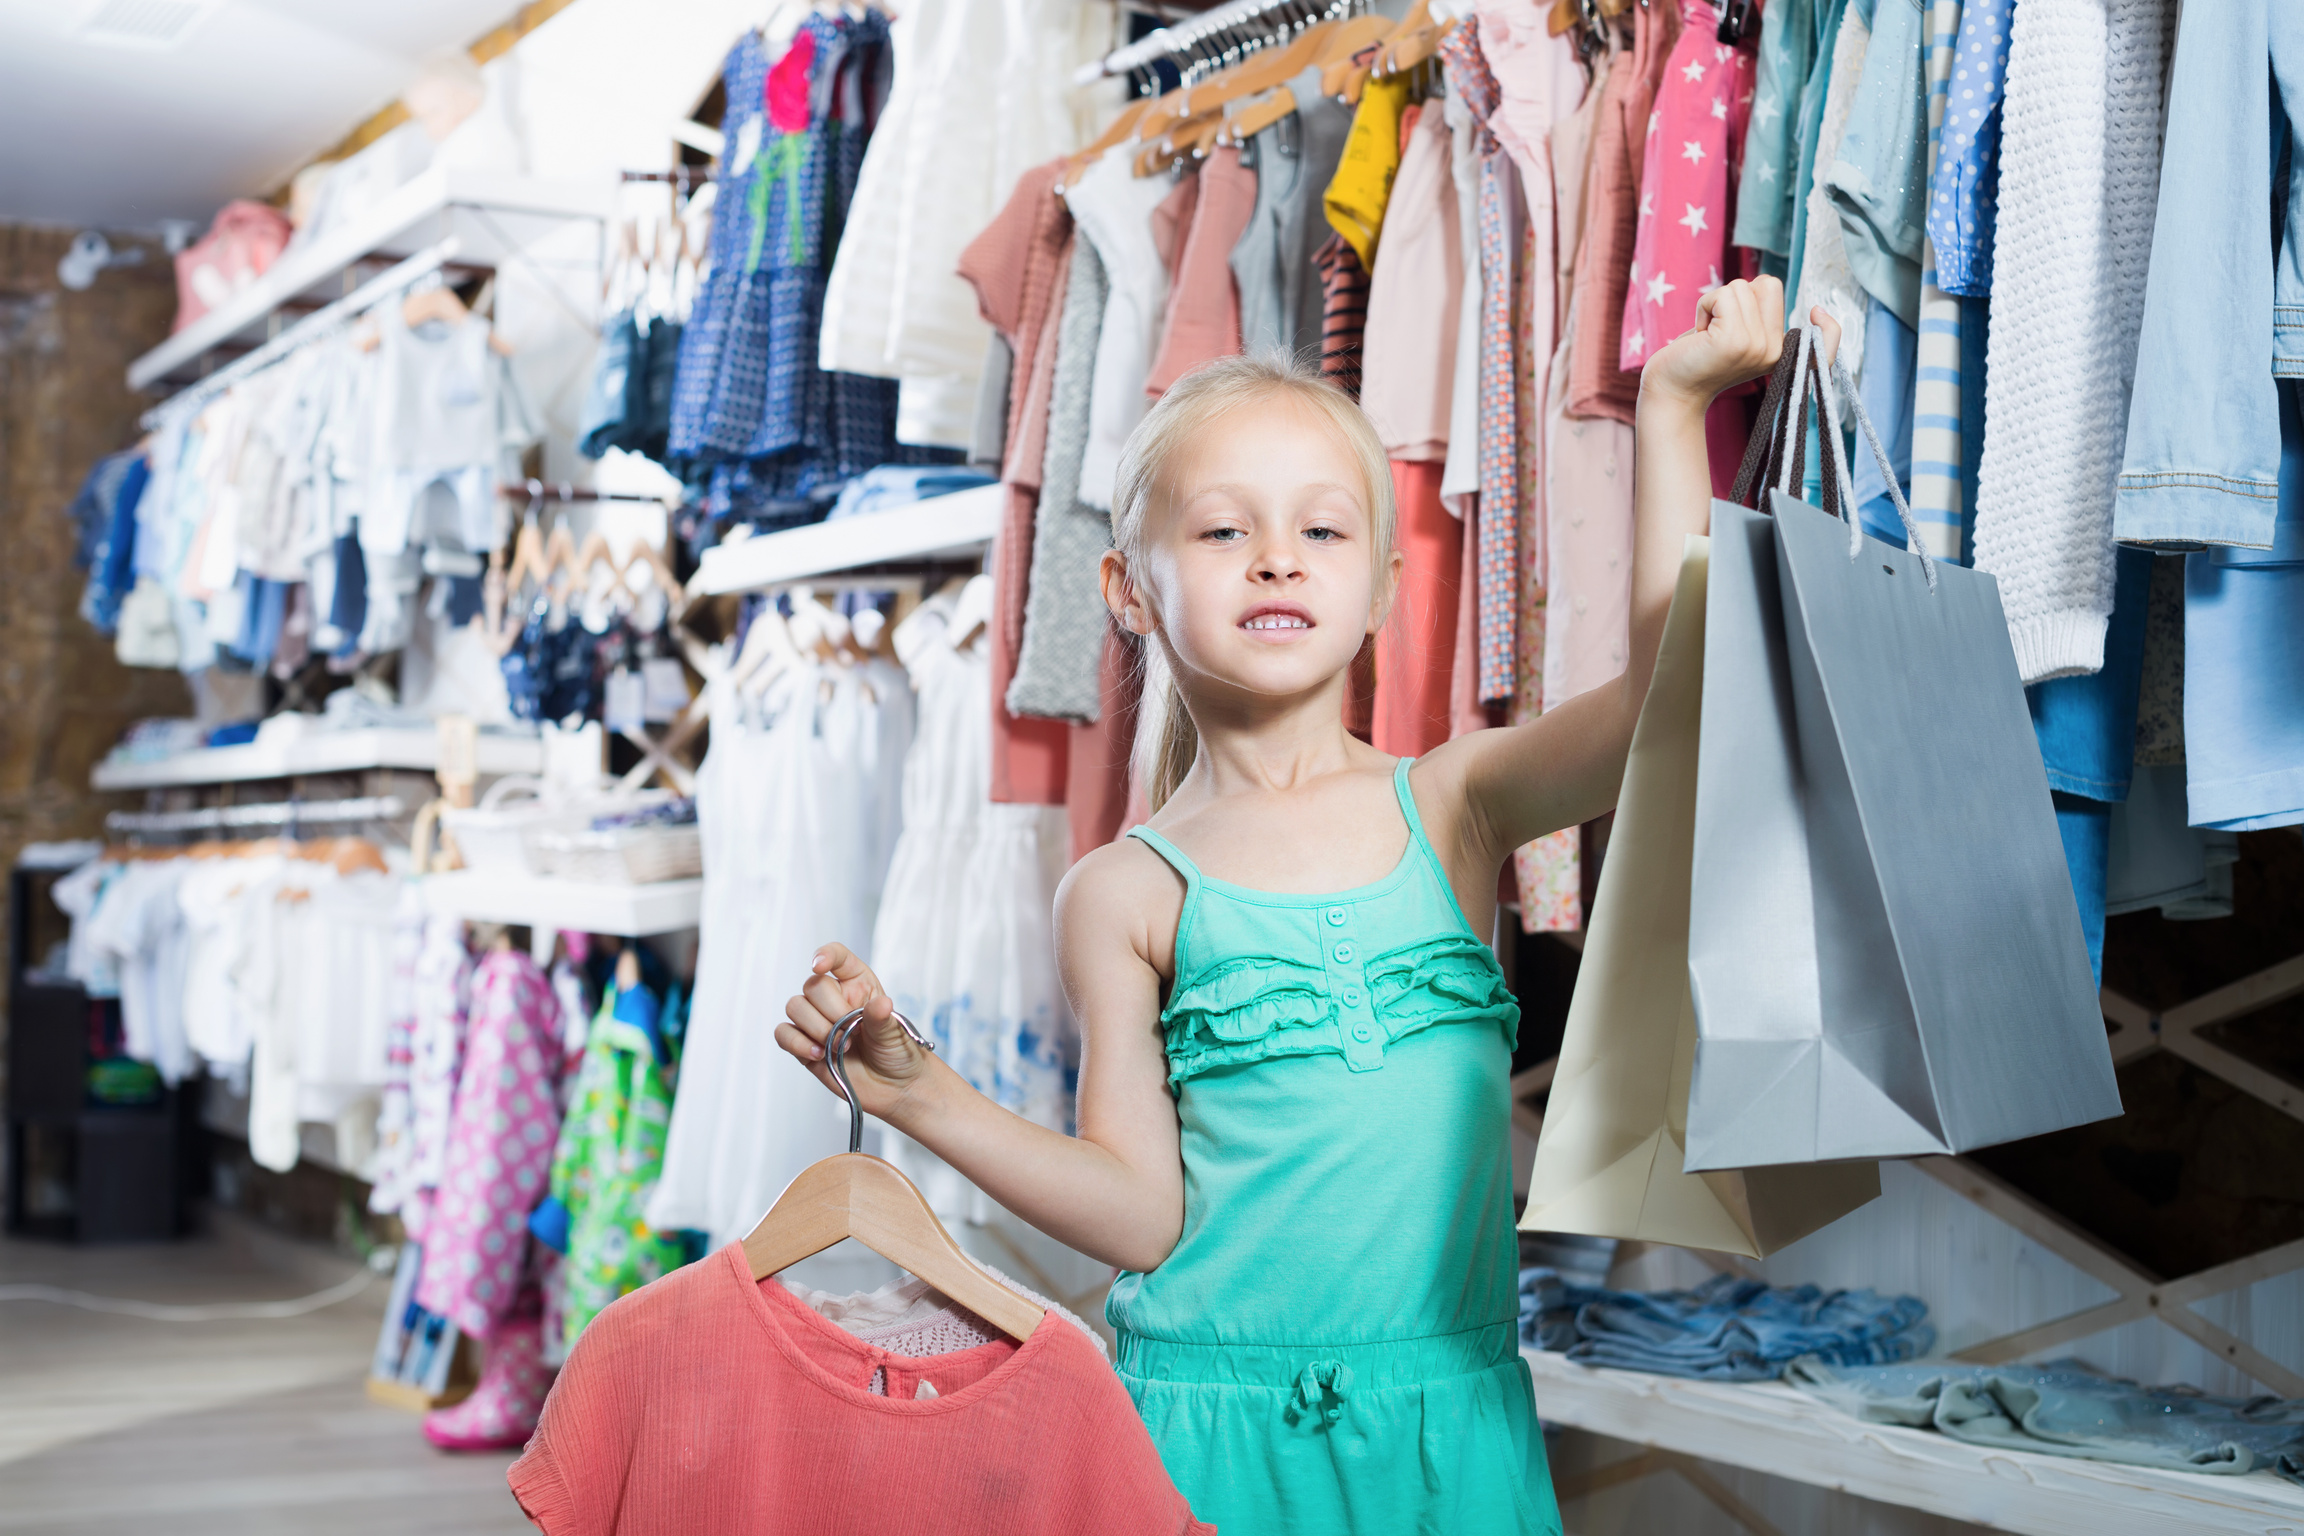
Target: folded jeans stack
(1728,1329)
(2065,1409)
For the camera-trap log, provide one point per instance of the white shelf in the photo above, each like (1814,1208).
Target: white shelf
(1771,1428)
(318,752)
(943,526)
(633,911)
(421,212)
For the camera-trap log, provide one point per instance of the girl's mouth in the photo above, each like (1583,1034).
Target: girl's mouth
(1277,619)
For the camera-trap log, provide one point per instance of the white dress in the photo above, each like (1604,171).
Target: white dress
(983,93)
(965,943)
(797,803)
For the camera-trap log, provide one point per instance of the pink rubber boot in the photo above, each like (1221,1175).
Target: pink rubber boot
(502,1410)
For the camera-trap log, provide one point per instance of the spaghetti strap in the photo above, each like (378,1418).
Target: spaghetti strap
(1191,873)
(1415,822)
(1169,851)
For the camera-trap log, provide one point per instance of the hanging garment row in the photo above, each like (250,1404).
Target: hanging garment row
(297,513)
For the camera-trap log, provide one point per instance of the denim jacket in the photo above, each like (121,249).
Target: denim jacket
(2224,305)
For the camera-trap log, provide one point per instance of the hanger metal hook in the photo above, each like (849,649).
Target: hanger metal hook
(836,1057)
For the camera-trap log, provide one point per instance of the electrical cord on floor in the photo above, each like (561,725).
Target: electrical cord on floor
(217,1312)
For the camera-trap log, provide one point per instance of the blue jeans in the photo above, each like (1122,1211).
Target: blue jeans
(2065,1409)
(1728,1329)
(2222,317)
(2087,731)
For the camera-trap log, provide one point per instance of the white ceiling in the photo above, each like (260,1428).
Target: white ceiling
(94,134)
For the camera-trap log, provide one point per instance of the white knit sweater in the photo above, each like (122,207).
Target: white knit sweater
(2079,183)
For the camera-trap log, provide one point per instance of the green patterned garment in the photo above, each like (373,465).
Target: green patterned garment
(611,1150)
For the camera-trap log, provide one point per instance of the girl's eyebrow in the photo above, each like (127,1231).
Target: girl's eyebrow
(1248,492)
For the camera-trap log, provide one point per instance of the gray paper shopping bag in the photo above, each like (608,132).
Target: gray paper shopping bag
(1610,1159)
(1885,955)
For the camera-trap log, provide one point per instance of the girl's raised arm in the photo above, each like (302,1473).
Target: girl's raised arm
(1567,766)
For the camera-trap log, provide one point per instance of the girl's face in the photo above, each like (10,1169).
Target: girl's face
(1258,561)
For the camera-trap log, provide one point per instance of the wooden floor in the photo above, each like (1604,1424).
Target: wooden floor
(120,1424)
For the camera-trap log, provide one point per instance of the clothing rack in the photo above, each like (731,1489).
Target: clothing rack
(285,813)
(686,175)
(1232,21)
(540,490)
(344,311)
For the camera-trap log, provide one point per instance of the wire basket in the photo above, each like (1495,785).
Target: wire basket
(619,855)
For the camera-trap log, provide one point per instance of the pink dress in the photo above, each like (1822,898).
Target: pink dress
(501,1133)
(1687,184)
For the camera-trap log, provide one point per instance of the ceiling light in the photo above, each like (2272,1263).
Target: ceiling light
(149,24)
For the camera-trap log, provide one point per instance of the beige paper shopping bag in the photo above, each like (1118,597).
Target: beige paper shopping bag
(1609,1160)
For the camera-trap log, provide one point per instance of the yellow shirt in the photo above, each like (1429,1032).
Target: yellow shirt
(1363,182)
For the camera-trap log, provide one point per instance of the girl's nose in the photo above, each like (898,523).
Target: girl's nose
(1277,563)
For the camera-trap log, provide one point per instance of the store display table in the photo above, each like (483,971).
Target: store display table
(1769,1427)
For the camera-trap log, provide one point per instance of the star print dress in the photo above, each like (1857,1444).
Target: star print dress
(1332,1345)
(1688,175)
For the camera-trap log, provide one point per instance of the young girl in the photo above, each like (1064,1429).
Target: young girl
(1296,1039)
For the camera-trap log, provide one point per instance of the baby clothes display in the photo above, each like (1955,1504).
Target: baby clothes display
(273,972)
(1036,1437)
(298,511)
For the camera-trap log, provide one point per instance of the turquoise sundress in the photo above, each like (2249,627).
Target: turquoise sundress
(1332,1346)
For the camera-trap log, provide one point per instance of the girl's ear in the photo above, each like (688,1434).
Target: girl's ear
(1387,590)
(1121,595)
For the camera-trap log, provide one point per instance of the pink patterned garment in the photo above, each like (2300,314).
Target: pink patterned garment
(1687,184)
(1548,871)
(501,1133)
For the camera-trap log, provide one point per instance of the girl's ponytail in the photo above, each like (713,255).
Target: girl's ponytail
(1168,742)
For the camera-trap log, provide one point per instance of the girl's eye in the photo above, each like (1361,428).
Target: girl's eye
(1323,535)
(1225,535)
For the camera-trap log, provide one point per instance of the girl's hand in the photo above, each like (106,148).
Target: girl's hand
(882,1062)
(1738,335)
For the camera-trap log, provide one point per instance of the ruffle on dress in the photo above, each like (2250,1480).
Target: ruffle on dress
(1257,1007)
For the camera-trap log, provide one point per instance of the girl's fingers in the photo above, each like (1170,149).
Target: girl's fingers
(839,962)
(1828,333)
(808,1019)
(1770,295)
(1708,310)
(808,1054)
(827,994)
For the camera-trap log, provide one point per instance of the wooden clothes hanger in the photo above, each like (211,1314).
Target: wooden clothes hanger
(1122,127)
(852,1195)
(1343,64)
(1195,102)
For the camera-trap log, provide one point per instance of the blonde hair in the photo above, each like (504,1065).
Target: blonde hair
(1200,397)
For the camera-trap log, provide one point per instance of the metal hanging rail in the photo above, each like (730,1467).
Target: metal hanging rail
(341,313)
(1189,36)
(561,490)
(283,813)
